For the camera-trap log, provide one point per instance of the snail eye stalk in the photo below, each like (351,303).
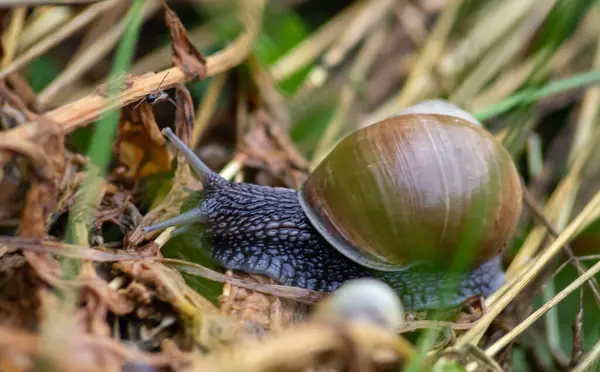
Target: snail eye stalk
(182,220)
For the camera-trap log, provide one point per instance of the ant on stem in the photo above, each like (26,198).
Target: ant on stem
(156,96)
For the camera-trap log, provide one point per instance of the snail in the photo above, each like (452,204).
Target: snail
(401,200)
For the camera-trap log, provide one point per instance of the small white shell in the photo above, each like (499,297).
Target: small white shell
(364,300)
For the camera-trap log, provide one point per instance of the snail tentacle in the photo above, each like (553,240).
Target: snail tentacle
(207,176)
(195,215)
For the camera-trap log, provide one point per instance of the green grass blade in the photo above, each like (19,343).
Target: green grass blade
(532,95)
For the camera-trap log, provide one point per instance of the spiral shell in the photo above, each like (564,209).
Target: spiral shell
(422,186)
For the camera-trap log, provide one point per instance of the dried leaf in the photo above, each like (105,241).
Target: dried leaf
(43,194)
(184,116)
(113,209)
(263,311)
(140,145)
(269,148)
(184,180)
(201,316)
(471,310)
(185,54)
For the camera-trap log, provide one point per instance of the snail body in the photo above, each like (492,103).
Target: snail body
(398,200)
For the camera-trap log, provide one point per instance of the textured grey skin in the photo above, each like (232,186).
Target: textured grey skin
(263,230)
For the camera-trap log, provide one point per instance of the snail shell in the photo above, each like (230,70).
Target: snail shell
(426,185)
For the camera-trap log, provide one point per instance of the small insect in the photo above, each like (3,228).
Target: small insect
(156,96)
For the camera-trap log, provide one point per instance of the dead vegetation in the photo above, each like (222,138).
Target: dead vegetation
(83,288)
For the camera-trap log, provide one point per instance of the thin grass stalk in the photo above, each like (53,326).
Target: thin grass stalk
(372,15)
(516,76)
(206,107)
(536,236)
(536,166)
(488,30)
(78,22)
(310,48)
(589,362)
(90,56)
(547,225)
(581,40)
(42,21)
(250,13)
(528,96)
(359,70)
(513,287)
(588,118)
(505,84)
(522,326)
(500,56)
(419,83)
(10,38)
(564,195)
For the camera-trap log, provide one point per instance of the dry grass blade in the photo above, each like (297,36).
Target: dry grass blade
(589,361)
(250,14)
(361,67)
(513,287)
(207,107)
(42,22)
(556,202)
(78,22)
(11,36)
(370,17)
(89,57)
(308,50)
(506,339)
(572,258)
(487,31)
(419,84)
(501,56)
